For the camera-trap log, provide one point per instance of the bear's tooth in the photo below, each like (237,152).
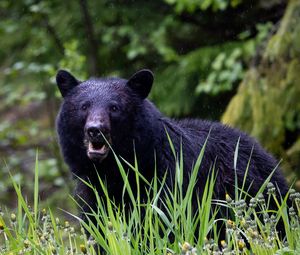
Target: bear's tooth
(102,149)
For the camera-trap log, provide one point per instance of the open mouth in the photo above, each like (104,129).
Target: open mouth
(97,150)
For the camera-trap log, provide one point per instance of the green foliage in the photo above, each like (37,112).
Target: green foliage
(227,69)
(180,40)
(193,5)
(73,60)
(167,212)
(32,230)
(267,103)
(212,72)
(50,44)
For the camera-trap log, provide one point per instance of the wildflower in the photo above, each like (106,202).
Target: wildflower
(253,233)
(44,215)
(241,204)
(83,233)
(46,236)
(26,243)
(125,237)
(292,195)
(42,239)
(53,250)
(297,199)
(72,232)
(230,224)
(83,249)
(228,198)
(273,219)
(44,211)
(261,199)
(110,226)
(194,251)
(239,213)
(292,212)
(91,241)
(244,223)
(266,218)
(1,226)
(272,236)
(186,247)
(241,244)
(271,188)
(13,218)
(247,222)
(253,203)
(223,244)
(67,224)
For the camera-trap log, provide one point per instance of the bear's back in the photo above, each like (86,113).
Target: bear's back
(221,146)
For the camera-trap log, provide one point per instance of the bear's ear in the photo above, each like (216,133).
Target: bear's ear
(141,82)
(65,82)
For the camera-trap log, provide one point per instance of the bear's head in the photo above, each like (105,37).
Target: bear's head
(97,113)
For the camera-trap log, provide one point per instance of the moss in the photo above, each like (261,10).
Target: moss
(267,103)
(286,41)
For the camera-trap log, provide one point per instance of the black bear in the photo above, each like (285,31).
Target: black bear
(116,111)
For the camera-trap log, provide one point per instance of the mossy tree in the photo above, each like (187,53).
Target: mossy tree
(267,104)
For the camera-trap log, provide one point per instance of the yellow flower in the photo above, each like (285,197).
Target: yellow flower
(83,248)
(186,247)
(13,217)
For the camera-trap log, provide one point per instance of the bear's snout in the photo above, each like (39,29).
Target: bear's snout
(96,130)
(97,140)
(95,133)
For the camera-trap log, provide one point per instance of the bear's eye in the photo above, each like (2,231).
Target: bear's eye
(85,106)
(114,108)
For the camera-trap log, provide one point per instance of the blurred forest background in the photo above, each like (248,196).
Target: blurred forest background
(236,61)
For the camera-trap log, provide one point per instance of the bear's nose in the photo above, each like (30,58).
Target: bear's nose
(93,132)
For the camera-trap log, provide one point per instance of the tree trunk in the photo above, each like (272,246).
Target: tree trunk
(93,60)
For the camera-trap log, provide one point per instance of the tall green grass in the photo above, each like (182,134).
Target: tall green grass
(163,223)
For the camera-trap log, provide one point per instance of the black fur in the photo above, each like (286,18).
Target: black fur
(133,122)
